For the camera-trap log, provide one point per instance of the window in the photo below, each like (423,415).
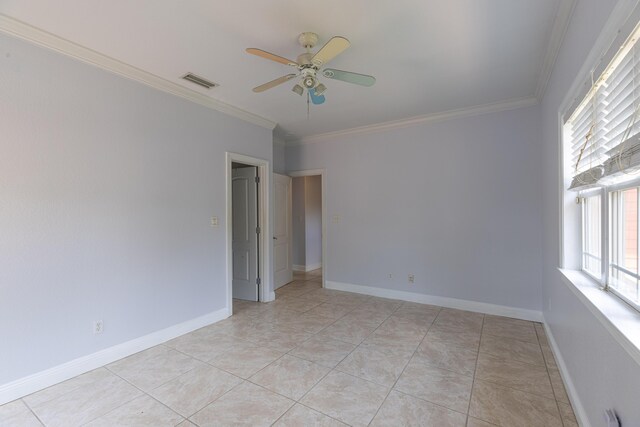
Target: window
(602,138)
(591,236)
(623,269)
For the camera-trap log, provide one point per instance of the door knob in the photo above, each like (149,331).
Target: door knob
(275,238)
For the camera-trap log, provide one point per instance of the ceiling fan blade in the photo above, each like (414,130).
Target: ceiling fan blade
(333,48)
(316,99)
(274,83)
(271,56)
(349,77)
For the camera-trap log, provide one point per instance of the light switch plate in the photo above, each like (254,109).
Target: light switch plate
(98,326)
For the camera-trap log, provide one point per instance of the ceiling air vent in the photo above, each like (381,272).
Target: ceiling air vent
(201,81)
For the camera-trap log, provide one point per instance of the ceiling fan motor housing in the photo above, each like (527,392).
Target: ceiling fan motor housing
(305,59)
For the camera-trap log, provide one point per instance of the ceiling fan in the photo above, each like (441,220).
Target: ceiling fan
(309,65)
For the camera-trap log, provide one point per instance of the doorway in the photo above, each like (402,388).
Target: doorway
(245,231)
(247,226)
(282,231)
(307,248)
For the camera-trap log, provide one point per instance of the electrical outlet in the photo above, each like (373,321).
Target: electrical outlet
(98,327)
(336,219)
(390,276)
(214,221)
(412,278)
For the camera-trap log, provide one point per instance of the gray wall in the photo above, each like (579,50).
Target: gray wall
(456,203)
(106,191)
(278,156)
(603,373)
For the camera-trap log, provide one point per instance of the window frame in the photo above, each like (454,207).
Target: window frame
(610,190)
(584,195)
(606,236)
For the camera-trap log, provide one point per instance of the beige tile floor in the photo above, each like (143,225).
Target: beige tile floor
(318,357)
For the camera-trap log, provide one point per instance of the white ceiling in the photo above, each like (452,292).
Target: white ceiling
(428,56)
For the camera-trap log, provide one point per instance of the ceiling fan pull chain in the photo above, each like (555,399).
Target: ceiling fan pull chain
(308,104)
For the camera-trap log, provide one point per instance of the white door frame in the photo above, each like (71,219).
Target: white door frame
(264,239)
(323,175)
(289,212)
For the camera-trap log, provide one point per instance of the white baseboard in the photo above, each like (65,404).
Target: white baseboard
(578,409)
(38,381)
(480,307)
(307,268)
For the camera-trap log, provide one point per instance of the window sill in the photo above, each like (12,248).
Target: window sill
(622,321)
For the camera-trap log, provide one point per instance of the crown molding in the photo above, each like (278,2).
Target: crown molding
(43,38)
(558,32)
(418,120)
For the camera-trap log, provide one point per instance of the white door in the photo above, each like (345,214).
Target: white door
(244,193)
(283,229)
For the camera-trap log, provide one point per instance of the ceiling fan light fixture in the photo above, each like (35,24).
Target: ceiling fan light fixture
(298,89)
(320,89)
(309,82)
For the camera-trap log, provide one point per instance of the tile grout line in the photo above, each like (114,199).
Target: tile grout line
(513,339)
(54,385)
(272,391)
(475,371)
(298,401)
(247,379)
(428,401)
(205,361)
(326,415)
(242,381)
(269,390)
(553,390)
(334,369)
(493,382)
(517,389)
(169,348)
(526,392)
(399,376)
(513,359)
(32,411)
(117,407)
(144,393)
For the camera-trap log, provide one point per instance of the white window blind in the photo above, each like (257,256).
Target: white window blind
(604,128)
(587,123)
